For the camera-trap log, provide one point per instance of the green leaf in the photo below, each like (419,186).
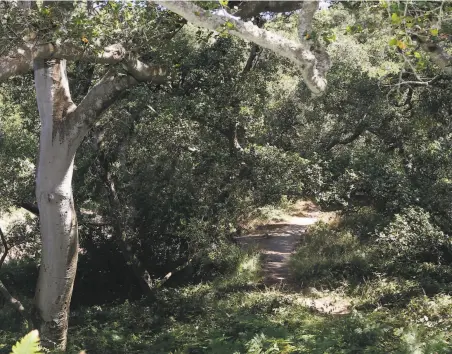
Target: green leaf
(223,2)
(395,19)
(28,344)
(417,55)
(434,32)
(229,25)
(393,41)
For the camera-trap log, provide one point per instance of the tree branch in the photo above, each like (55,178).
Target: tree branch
(5,246)
(20,60)
(97,100)
(159,283)
(89,218)
(32,208)
(313,67)
(305,19)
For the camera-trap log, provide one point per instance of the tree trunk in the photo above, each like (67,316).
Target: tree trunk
(58,220)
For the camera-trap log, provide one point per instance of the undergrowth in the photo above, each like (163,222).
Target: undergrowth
(393,310)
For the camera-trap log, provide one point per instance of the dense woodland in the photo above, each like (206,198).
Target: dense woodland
(141,137)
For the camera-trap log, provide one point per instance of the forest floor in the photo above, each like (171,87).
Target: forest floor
(293,286)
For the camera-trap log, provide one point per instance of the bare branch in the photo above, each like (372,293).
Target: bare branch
(351,138)
(14,303)
(159,283)
(313,67)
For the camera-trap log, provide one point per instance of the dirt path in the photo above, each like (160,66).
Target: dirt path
(278,239)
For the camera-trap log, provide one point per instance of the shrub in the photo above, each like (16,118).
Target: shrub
(411,238)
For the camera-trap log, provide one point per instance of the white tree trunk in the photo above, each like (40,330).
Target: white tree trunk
(56,206)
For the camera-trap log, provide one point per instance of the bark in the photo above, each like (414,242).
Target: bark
(5,247)
(437,54)
(58,221)
(13,302)
(63,127)
(360,130)
(305,19)
(160,282)
(313,64)
(234,145)
(32,208)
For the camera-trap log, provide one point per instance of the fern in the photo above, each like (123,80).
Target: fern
(28,344)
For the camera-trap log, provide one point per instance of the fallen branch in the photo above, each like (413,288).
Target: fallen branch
(158,283)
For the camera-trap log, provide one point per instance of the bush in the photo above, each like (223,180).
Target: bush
(411,238)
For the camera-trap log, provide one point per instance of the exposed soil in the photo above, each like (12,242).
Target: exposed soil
(278,239)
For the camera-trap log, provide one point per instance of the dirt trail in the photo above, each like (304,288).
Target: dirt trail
(278,239)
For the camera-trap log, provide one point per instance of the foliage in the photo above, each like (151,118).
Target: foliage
(411,239)
(28,344)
